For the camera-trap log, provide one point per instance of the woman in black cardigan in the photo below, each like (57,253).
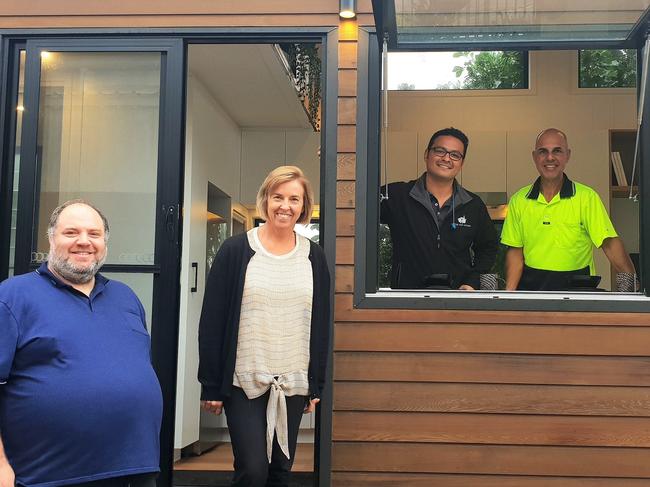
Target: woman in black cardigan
(264,332)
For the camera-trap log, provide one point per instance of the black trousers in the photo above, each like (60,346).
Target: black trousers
(141,480)
(247,427)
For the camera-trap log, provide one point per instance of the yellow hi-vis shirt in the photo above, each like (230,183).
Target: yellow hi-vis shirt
(558,235)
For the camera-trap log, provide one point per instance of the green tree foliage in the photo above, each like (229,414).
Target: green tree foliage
(490,70)
(385,255)
(406,86)
(608,68)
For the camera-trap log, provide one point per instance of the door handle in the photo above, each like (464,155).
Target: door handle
(170,222)
(195,266)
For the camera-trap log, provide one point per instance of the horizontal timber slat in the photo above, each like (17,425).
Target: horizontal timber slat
(491,459)
(344,279)
(346,138)
(345,250)
(346,312)
(492,398)
(81,7)
(504,369)
(351,479)
(484,338)
(497,429)
(347,111)
(200,21)
(347,82)
(345,194)
(345,223)
(346,166)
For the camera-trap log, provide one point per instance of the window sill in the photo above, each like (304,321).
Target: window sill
(603,302)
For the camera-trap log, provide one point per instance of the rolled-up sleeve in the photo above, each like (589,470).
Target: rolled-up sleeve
(8,341)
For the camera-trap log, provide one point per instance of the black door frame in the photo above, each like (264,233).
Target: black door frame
(166,269)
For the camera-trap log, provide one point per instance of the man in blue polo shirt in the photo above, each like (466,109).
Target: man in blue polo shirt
(79,400)
(554,224)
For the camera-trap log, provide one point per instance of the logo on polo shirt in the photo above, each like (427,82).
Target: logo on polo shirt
(462,222)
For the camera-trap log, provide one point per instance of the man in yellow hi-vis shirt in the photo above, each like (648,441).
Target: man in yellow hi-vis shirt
(553,225)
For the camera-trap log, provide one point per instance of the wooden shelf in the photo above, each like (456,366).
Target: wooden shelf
(623,191)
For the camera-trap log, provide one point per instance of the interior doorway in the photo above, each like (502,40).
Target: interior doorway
(250,108)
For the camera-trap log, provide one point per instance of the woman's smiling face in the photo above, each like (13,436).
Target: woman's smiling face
(285,204)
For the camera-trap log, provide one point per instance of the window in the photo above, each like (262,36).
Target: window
(607,68)
(472,70)
(502,131)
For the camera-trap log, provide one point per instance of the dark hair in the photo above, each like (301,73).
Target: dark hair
(452,132)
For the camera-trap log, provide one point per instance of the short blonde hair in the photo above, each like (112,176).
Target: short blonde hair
(281,175)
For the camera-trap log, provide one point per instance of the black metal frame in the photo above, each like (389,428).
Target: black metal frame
(367,213)
(8,99)
(170,180)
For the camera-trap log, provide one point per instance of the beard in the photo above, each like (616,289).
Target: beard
(73,273)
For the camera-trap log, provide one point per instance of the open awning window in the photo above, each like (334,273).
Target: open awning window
(441,24)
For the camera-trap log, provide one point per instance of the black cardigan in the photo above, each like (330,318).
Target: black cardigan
(219,325)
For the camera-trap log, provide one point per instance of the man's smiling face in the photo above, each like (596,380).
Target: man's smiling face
(551,155)
(77,244)
(445,166)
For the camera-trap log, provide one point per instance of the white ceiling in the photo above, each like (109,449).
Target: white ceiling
(250,83)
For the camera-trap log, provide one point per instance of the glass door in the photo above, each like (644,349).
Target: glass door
(101,121)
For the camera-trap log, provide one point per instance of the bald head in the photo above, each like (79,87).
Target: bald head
(552,131)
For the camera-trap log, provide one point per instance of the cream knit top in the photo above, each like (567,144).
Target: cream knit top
(274,330)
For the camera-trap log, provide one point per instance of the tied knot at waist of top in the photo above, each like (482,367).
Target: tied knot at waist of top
(289,384)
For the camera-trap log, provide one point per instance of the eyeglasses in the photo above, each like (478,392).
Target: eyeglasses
(441,152)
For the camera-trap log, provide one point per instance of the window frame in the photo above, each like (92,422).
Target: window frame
(368,172)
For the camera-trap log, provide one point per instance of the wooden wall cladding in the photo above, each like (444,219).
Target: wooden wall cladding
(177,13)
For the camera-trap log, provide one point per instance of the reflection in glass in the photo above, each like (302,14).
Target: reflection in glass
(98,140)
(217,233)
(19,129)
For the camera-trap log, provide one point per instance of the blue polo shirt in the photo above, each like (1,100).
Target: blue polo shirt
(79,399)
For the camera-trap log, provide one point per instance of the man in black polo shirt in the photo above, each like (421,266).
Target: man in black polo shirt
(437,226)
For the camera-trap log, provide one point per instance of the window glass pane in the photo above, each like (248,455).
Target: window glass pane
(476,70)
(497,164)
(19,129)
(479,22)
(607,68)
(98,140)
(142,286)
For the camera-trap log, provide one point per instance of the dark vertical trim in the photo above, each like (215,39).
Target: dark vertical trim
(8,84)
(27,180)
(361,273)
(644,185)
(323,440)
(525,67)
(166,287)
(390,24)
(368,156)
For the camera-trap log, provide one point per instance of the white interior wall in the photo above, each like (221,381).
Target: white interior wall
(502,126)
(265,149)
(212,153)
